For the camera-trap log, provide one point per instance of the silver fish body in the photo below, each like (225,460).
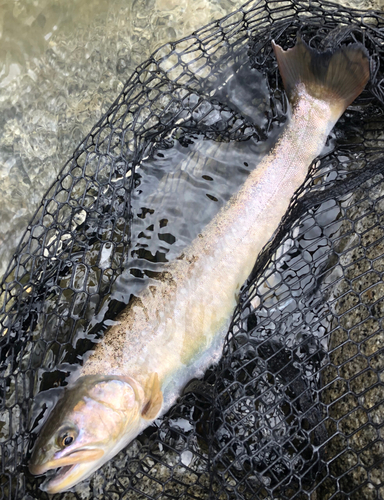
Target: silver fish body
(172,332)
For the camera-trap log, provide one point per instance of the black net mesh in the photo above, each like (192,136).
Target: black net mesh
(295,407)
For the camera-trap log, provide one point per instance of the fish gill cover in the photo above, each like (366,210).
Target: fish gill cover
(295,408)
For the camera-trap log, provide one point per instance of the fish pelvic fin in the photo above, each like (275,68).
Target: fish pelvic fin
(154,398)
(335,76)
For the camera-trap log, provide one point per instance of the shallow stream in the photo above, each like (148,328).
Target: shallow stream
(62,64)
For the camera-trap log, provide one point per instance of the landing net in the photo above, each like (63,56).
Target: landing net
(295,408)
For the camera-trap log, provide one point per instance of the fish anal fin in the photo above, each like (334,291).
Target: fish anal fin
(154,398)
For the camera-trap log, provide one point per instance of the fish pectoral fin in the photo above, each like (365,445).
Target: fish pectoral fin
(154,398)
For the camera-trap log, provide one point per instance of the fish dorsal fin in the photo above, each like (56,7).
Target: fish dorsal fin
(336,76)
(153,396)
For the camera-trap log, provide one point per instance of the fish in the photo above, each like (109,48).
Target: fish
(172,332)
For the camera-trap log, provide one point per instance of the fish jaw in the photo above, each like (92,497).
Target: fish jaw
(64,461)
(74,466)
(66,477)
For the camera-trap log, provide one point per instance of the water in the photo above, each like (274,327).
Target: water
(62,64)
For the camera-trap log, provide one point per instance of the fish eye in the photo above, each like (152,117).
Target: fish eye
(66,438)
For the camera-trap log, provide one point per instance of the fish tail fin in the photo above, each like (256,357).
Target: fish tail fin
(337,76)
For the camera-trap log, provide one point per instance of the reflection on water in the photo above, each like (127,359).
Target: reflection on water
(203,174)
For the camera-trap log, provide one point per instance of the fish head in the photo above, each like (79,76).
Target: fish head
(93,420)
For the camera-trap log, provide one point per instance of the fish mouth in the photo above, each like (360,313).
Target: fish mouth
(59,479)
(65,472)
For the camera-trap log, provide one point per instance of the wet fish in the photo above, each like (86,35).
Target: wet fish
(174,331)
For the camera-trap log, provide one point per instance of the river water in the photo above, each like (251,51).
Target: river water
(62,64)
